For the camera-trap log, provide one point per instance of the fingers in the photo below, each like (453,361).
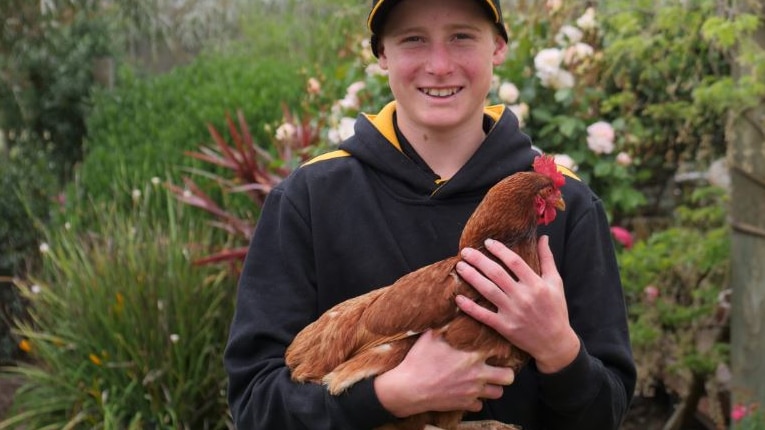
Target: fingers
(491,391)
(475,277)
(486,392)
(476,311)
(492,270)
(546,259)
(513,261)
(501,375)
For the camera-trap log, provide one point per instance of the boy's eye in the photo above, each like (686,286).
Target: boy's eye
(413,39)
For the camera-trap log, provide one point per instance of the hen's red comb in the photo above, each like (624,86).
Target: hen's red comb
(545,165)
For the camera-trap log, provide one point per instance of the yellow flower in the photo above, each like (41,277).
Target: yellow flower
(120,303)
(94,359)
(25,345)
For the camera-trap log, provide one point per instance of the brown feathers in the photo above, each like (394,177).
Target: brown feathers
(370,334)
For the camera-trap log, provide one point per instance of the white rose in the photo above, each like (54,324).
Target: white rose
(623,159)
(374,69)
(600,137)
(521,111)
(568,35)
(587,20)
(355,87)
(286,132)
(313,86)
(547,59)
(557,79)
(508,93)
(554,5)
(349,102)
(577,52)
(343,131)
(566,161)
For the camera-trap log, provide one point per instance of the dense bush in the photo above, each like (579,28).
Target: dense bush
(46,65)
(125,332)
(27,181)
(676,283)
(141,129)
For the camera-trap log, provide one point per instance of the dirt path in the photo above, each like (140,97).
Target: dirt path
(7,389)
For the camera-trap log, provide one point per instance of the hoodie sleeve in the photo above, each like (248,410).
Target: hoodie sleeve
(595,390)
(276,299)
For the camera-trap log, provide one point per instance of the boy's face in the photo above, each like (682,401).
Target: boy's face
(440,56)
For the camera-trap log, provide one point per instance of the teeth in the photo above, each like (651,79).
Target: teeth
(440,92)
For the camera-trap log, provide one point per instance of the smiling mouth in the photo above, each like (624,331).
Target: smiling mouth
(440,92)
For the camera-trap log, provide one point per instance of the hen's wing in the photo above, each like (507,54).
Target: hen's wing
(371,333)
(327,342)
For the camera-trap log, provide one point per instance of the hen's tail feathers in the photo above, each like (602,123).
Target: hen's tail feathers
(329,337)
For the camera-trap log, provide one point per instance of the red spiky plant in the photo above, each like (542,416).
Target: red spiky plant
(253,169)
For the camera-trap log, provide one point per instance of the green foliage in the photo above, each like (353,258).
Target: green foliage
(125,332)
(141,129)
(252,171)
(747,417)
(314,33)
(669,85)
(677,293)
(46,75)
(735,33)
(28,184)
(11,308)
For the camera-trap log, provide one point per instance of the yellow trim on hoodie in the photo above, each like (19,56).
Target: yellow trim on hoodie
(567,172)
(329,155)
(383,122)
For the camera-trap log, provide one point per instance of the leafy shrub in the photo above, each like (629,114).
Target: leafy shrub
(27,181)
(141,129)
(678,299)
(747,417)
(46,60)
(125,332)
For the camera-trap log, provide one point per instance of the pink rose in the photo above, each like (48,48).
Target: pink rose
(623,159)
(623,236)
(600,137)
(739,412)
(313,86)
(651,293)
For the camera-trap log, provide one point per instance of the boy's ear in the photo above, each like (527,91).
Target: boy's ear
(500,50)
(382,59)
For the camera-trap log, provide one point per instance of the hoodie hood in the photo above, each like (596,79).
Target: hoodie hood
(504,151)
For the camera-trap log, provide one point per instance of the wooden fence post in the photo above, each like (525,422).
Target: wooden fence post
(746,159)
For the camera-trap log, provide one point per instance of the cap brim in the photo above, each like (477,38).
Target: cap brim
(381,8)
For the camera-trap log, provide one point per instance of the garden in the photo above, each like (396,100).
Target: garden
(139,138)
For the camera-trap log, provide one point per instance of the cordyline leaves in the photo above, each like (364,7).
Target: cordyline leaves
(254,170)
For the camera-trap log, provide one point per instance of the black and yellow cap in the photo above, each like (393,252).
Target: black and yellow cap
(380,9)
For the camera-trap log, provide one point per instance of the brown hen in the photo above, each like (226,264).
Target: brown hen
(370,334)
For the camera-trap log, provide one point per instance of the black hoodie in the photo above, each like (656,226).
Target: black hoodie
(359,218)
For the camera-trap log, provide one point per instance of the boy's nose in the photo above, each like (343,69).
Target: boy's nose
(439,61)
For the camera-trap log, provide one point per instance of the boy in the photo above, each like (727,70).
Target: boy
(394,198)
